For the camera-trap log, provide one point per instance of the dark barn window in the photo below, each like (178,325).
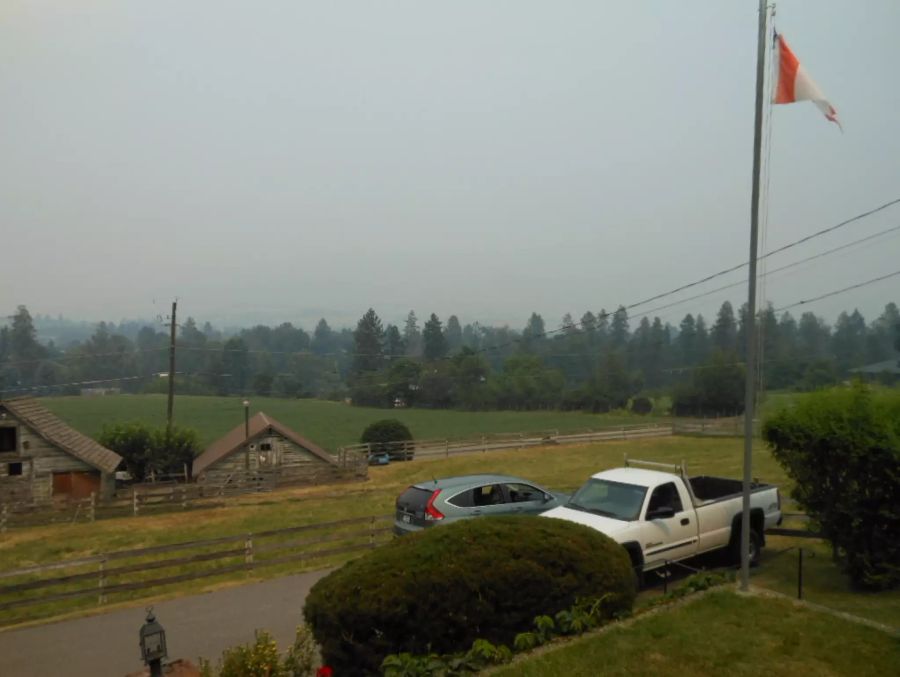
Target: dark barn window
(8,439)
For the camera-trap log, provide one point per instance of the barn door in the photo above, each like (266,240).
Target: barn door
(75,484)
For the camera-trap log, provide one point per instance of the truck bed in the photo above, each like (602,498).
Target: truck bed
(708,489)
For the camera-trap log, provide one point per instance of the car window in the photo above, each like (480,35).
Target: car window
(665,496)
(523,493)
(489,494)
(465,499)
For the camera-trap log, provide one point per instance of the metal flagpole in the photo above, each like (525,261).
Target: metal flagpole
(750,387)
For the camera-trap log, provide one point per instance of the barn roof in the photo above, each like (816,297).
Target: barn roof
(59,433)
(259,426)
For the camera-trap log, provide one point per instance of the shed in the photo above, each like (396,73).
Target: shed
(264,446)
(43,458)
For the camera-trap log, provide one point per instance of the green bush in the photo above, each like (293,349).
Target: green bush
(642,405)
(441,589)
(842,449)
(157,450)
(384,434)
(261,659)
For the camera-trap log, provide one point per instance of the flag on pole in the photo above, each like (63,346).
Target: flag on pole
(795,84)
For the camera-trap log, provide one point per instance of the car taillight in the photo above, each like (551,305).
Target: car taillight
(432,514)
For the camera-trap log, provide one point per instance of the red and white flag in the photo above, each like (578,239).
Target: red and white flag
(795,84)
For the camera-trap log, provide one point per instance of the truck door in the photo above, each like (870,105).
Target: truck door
(670,527)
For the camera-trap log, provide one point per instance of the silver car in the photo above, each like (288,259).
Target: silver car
(452,498)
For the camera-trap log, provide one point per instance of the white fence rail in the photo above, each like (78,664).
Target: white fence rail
(430,448)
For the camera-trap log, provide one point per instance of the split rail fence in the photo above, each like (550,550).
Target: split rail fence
(49,589)
(442,447)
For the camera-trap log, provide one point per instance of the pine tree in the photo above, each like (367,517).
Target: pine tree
(724,331)
(368,340)
(453,333)
(412,336)
(435,344)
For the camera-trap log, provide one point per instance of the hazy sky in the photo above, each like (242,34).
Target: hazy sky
(284,160)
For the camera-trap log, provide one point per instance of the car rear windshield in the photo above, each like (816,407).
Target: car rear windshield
(413,499)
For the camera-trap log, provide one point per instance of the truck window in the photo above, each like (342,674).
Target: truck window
(665,496)
(610,499)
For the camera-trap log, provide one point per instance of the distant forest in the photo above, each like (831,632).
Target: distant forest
(598,362)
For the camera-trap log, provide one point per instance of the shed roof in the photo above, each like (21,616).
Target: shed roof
(259,425)
(61,434)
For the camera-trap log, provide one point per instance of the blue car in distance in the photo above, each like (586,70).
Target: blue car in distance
(449,499)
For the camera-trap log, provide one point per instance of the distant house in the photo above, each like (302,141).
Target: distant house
(265,447)
(42,458)
(888,370)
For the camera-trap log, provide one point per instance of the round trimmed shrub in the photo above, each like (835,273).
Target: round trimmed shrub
(382,434)
(442,588)
(642,405)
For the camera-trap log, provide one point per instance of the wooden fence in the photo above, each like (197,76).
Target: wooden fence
(49,589)
(145,499)
(442,447)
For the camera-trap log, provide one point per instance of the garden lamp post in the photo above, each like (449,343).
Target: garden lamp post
(153,644)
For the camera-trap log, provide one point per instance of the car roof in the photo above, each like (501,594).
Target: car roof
(461,480)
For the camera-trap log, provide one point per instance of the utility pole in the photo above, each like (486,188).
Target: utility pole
(750,385)
(171,402)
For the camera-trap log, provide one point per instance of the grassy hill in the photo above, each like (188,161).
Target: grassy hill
(330,424)
(723,634)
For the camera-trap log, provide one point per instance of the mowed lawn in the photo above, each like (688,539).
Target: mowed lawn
(723,634)
(559,467)
(329,424)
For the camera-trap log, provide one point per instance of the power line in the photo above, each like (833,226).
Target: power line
(771,272)
(790,245)
(840,291)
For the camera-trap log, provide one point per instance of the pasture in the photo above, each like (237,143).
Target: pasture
(329,424)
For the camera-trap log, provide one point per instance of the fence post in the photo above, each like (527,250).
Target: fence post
(101,583)
(800,575)
(372,531)
(248,551)
(93,509)
(134,501)
(3,517)
(184,501)
(483,444)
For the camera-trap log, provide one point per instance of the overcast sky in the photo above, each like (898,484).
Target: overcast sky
(284,160)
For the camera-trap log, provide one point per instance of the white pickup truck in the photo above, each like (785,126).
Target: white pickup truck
(661,517)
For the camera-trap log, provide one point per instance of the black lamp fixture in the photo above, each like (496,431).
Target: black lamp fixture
(153,644)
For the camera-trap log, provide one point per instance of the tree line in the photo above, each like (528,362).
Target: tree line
(599,362)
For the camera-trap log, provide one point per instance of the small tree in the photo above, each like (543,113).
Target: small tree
(146,450)
(842,449)
(384,434)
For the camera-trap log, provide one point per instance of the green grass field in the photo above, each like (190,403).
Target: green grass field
(329,424)
(723,634)
(559,467)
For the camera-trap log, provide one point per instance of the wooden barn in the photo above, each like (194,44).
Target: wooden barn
(44,459)
(265,448)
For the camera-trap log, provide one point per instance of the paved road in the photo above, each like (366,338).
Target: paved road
(198,625)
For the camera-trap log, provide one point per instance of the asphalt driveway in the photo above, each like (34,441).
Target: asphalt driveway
(197,625)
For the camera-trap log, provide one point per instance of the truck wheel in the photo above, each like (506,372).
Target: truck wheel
(755,549)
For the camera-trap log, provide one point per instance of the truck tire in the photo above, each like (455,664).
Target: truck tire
(755,548)
(637,563)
